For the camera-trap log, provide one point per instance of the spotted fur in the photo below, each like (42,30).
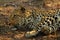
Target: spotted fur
(46,24)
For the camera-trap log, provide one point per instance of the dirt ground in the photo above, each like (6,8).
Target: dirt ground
(20,36)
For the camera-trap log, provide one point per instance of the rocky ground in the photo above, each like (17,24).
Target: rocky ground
(28,5)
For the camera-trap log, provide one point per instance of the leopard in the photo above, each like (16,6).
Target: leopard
(31,21)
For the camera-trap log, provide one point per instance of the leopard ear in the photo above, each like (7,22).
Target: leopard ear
(22,9)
